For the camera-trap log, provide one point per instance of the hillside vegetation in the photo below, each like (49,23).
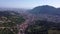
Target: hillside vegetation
(9,21)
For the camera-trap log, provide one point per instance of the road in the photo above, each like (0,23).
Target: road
(24,25)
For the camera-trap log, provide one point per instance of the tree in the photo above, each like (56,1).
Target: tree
(38,28)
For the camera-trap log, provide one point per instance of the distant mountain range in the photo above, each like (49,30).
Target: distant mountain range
(46,9)
(8,13)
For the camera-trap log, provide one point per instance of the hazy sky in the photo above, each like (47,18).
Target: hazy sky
(28,3)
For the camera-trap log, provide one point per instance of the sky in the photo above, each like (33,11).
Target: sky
(28,3)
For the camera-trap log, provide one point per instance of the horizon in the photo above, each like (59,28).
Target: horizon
(26,8)
(28,3)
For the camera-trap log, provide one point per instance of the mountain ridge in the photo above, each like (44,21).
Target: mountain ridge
(45,9)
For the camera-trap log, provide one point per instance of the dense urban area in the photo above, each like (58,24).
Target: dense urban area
(39,20)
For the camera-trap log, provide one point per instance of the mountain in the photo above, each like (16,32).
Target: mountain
(46,9)
(46,12)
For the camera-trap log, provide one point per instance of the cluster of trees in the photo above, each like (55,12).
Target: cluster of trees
(9,22)
(42,27)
